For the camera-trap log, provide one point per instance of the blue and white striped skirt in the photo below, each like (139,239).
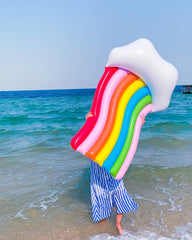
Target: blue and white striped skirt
(107,192)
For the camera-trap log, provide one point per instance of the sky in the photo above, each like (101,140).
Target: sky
(60,44)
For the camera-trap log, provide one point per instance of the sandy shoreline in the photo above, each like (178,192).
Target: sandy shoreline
(149,223)
(59,232)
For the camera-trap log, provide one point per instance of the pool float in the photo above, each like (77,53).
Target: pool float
(136,81)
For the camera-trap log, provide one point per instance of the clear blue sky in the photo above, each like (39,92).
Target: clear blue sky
(62,44)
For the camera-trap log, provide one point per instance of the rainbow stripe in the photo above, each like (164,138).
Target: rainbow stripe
(111,136)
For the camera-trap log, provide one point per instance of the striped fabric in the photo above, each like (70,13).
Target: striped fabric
(107,192)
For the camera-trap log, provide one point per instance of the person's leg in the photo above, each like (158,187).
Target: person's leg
(102,221)
(118,222)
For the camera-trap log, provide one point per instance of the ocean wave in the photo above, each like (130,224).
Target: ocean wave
(165,142)
(179,233)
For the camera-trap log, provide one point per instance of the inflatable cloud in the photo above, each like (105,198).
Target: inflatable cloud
(136,81)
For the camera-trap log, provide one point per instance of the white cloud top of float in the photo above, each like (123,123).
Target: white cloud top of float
(141,58)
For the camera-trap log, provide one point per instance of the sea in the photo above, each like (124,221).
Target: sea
(45,184)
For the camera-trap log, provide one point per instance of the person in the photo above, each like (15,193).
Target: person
(107,192)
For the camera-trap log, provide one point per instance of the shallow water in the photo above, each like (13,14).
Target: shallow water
(45,193)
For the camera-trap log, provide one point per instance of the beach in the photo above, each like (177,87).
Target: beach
(45,184)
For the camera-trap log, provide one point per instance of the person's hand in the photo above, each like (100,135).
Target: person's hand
(89,114)
(143,118)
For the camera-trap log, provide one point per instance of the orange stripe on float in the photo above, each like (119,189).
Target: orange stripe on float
(124,84)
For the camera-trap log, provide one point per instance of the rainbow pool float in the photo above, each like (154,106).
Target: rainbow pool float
(136,81)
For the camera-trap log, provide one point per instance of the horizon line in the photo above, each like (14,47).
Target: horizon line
(62,89)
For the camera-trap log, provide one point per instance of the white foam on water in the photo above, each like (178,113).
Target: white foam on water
(20,215)
(129,236)
(180,233)
(184,233)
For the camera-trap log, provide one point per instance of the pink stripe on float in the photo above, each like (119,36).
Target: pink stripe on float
(95,109)
(98,128)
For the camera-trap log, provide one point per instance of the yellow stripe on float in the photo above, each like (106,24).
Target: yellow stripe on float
(110,143)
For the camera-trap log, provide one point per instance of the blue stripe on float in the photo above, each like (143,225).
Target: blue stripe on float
(110,160)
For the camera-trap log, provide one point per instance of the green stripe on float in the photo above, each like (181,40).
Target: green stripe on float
(118,163)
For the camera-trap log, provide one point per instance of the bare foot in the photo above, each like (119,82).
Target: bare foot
(120,229)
